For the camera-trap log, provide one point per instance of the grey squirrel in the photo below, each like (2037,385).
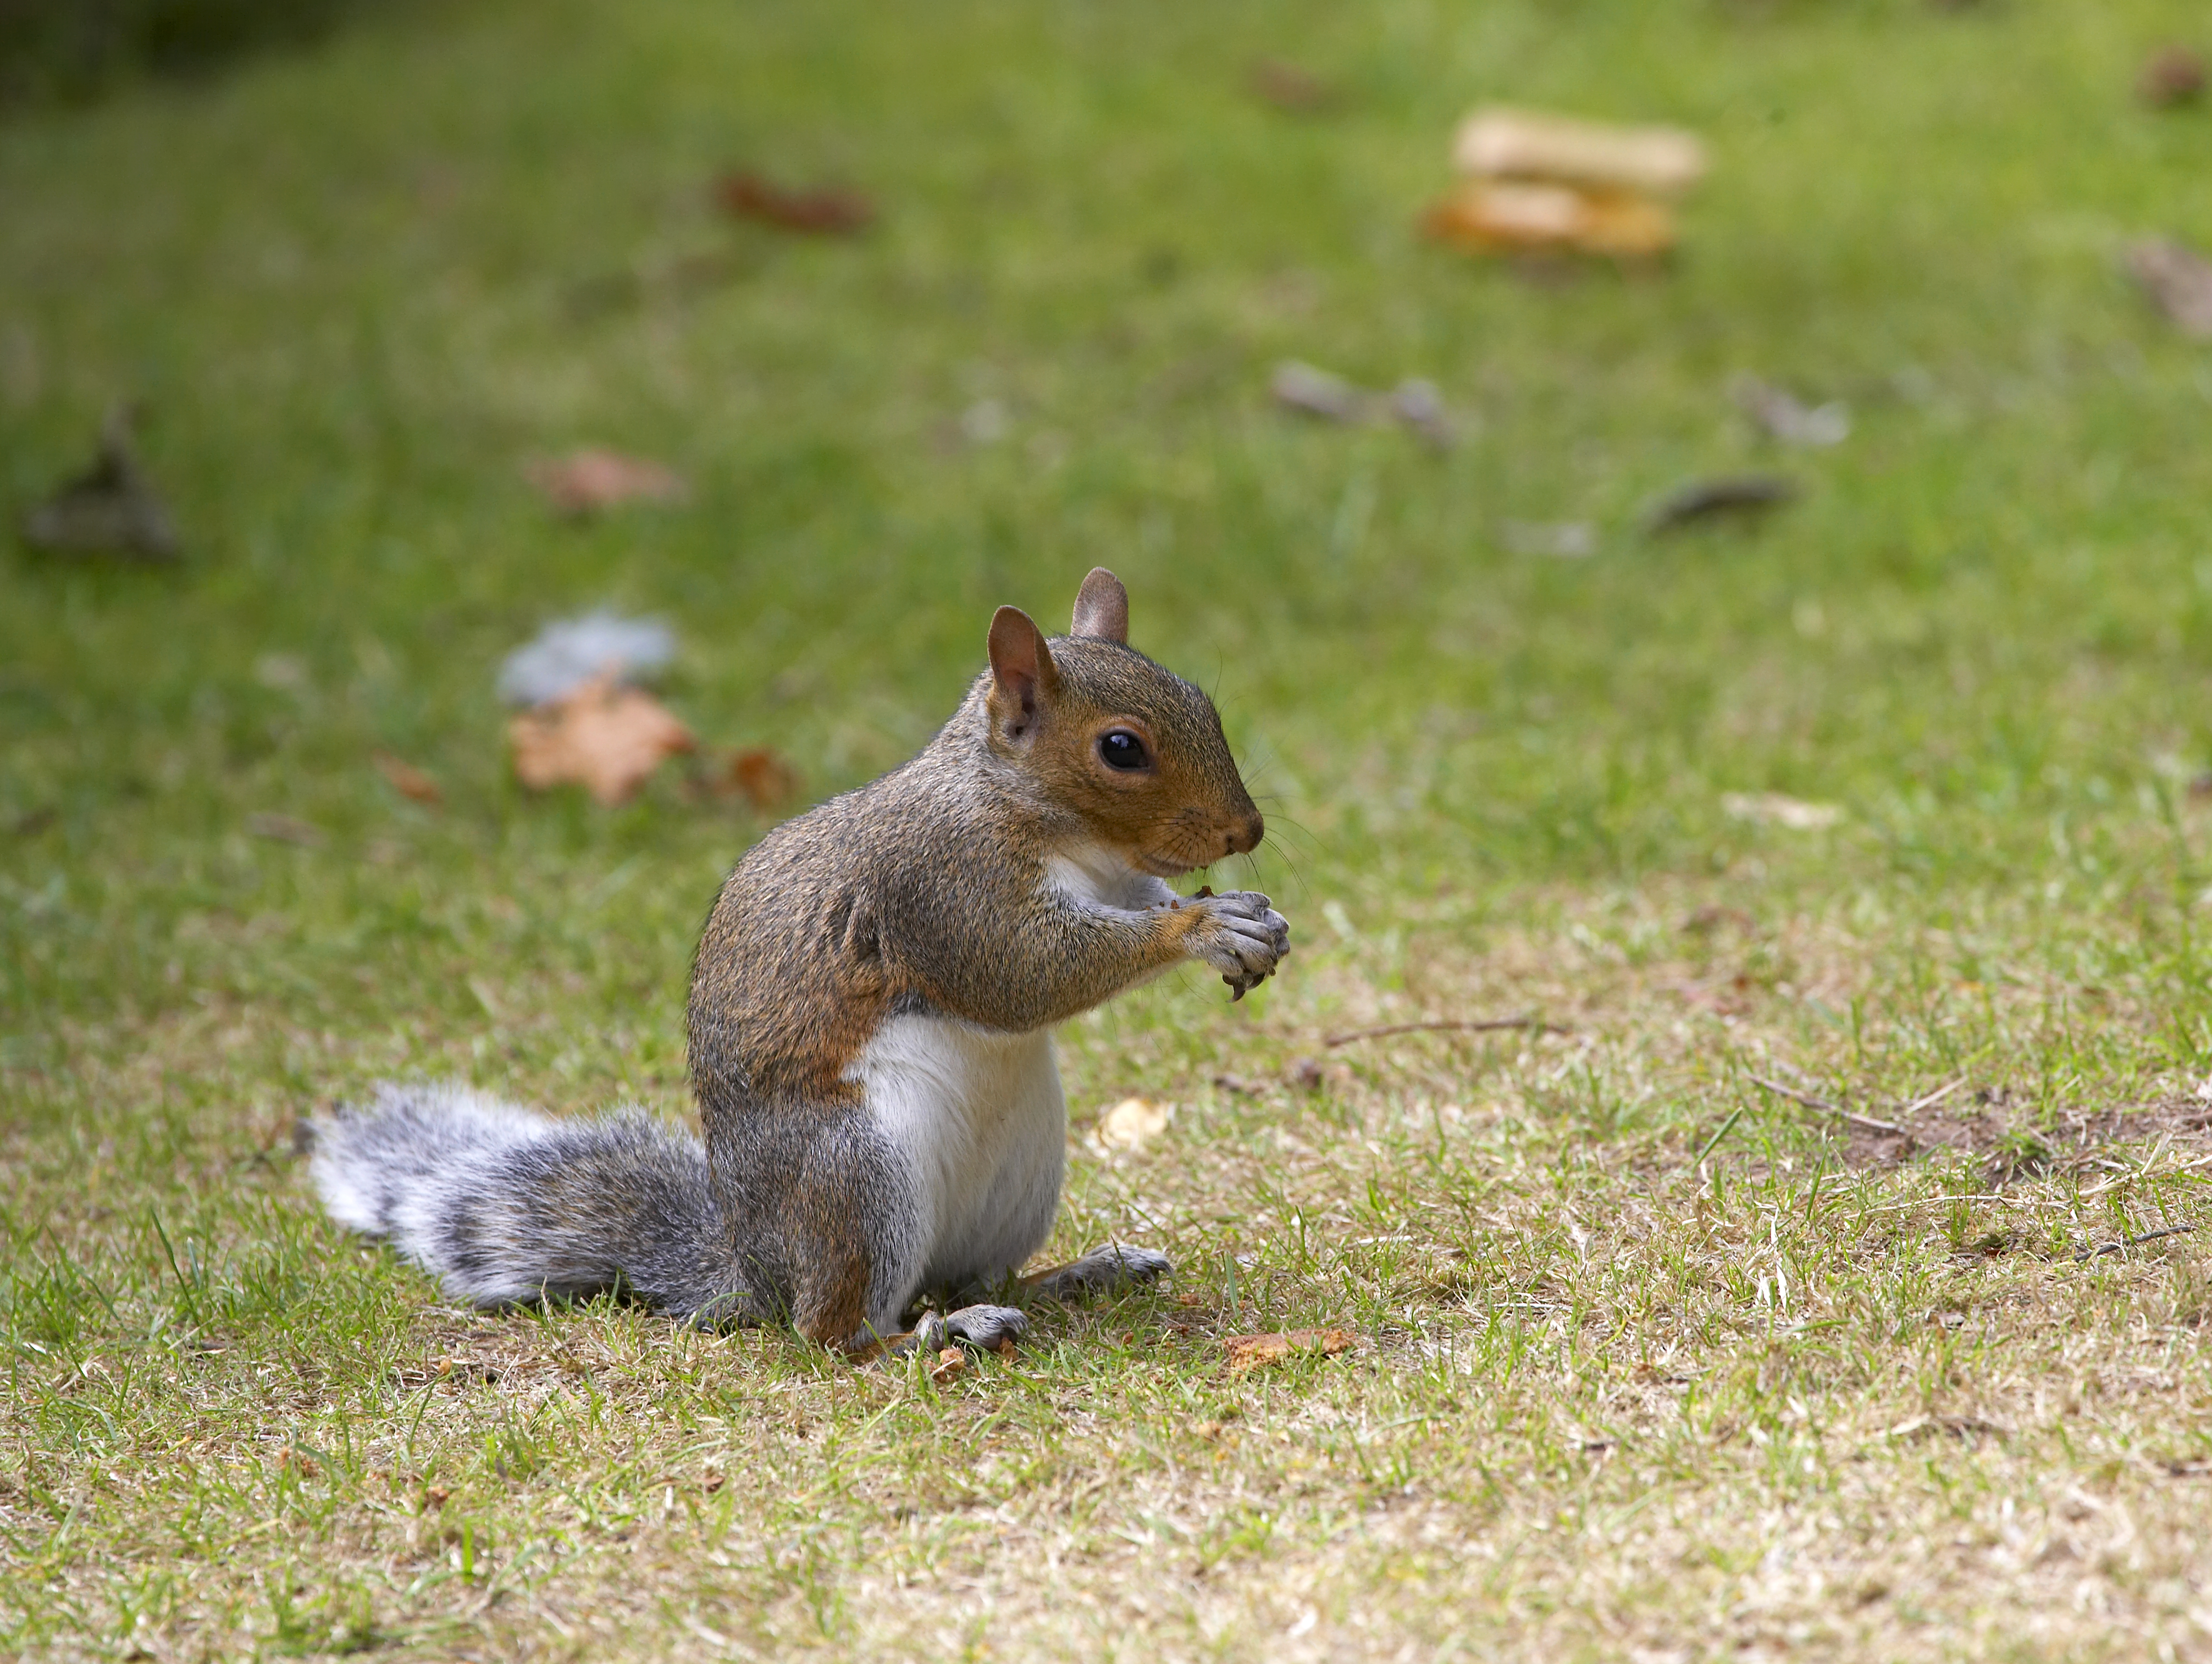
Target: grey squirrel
(869,1020)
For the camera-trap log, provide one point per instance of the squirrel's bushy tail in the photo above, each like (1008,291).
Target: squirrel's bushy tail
(507,1206)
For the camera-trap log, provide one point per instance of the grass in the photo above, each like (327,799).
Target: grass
(1652,1361)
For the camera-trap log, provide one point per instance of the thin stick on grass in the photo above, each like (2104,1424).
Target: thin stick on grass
(1826,1107)
(1482,1026)
(1933,1098)
(1939,1201)
(2127,1243)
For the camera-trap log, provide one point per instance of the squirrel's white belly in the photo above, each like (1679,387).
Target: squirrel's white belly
(977,1117)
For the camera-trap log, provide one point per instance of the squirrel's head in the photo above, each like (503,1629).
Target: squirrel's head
(1134,750)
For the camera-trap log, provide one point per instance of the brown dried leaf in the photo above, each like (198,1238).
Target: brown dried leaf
(586,481)
(1740,496)
(1290,89)
(408,780)
(768,781)
(2174,76)
(1260,1351)
(824,212)
(1514,217)
(285,828)
(110,508)
(605,738)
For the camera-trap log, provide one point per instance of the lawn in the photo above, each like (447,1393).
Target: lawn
(1650,1359)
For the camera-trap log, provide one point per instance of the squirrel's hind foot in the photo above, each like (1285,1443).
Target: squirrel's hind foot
(1118,1264)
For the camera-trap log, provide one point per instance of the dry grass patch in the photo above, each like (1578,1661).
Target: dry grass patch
(1613,1382)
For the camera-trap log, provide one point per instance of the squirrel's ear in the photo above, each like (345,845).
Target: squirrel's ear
(1022,675)
(1102,608)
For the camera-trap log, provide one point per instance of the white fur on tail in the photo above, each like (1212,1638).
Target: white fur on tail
(405,1166)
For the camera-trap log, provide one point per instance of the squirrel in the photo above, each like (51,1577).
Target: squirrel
(870,1031)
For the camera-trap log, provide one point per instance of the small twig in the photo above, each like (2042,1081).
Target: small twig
(1826,1107)
(1937,1201)
(1482,1027)
(1933,1098)
(1713,1143)
(2126,1243)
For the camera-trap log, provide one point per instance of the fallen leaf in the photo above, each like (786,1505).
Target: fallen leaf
(1547,184)
(824,212)
(1302,387)
(1259,1351)
(948,1365)
(1503,144)
(1305,1072)
(606,738)
(408,780)
(768,782)
(1775,808)
(110,508)
(1417,402)
(1782,416)
(2174,76)
(1295,91)
(1131,1123)
(586,481)
(1740,496)
(1492,216)
(284,828)
(2179,282)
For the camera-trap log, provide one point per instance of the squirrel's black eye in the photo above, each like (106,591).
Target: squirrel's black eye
(1120,748)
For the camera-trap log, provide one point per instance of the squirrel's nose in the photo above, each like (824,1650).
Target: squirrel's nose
(1245,836)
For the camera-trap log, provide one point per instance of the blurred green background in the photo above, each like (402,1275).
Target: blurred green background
(359,282)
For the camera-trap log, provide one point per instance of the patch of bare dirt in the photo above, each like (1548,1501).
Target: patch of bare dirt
(2010,1145)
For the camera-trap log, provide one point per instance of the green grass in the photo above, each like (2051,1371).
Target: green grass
(1608,1401)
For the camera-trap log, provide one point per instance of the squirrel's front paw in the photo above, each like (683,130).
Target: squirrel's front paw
(1242,936)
